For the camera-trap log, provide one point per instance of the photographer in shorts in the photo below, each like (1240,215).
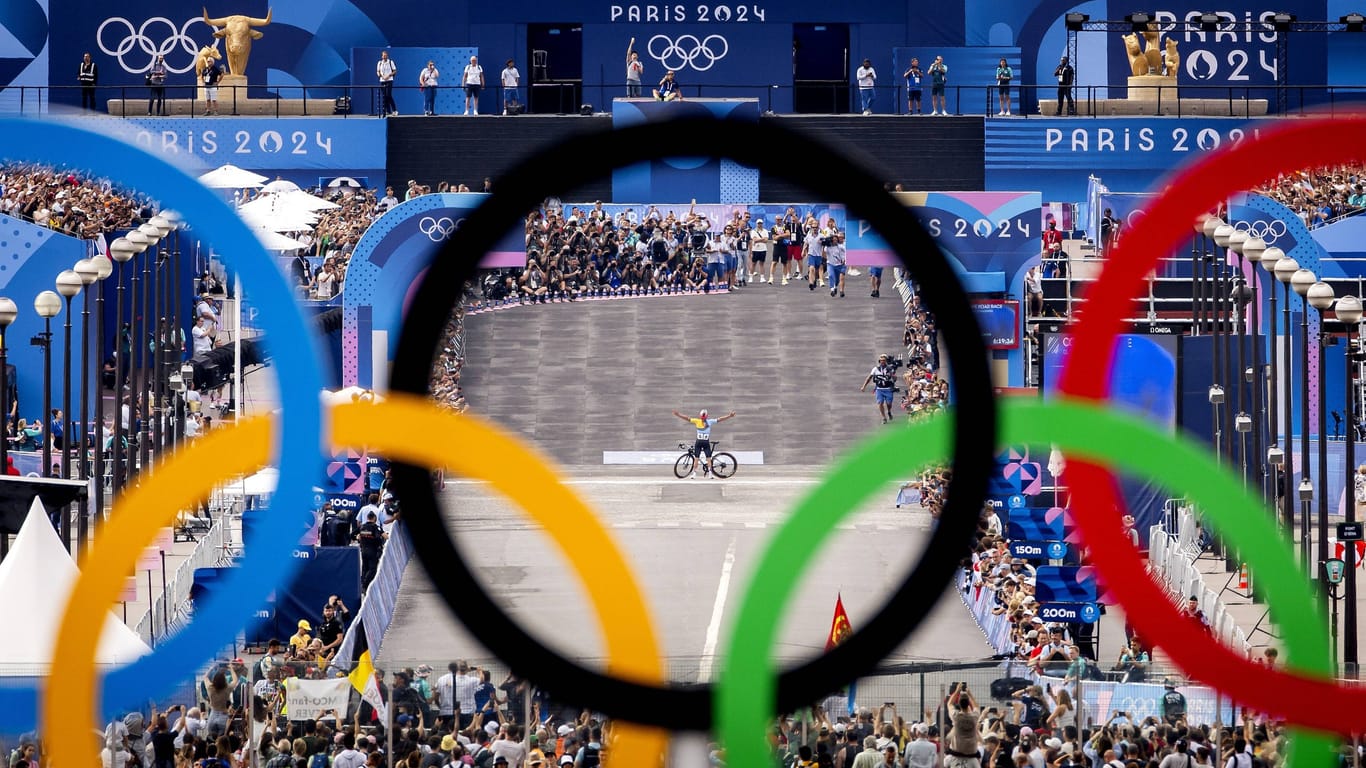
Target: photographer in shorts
(883,379)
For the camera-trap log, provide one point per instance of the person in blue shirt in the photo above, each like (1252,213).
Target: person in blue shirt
(668,88)
(703,424)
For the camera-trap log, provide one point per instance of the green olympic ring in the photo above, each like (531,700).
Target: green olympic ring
(746,696)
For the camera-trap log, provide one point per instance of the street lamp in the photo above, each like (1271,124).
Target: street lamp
(1240,295)
(104,267)
(1320,296)
(47,304)
(1253,248)
(1301,282)
(1306,495)
(8,312)
(69,283)
(121,251)
(1348,311)
(142,333)
(1276,458)
(90,274)
(1286,268)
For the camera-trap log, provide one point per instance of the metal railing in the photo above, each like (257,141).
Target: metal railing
(568,97)
(168,609)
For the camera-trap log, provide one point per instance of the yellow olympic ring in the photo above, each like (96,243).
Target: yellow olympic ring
(404,428)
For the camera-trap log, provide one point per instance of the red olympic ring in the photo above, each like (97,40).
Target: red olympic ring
(1313,702)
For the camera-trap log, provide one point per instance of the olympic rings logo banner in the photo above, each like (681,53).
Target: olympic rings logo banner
(143,43)
(750,691)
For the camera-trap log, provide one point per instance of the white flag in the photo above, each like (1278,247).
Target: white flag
(311,699)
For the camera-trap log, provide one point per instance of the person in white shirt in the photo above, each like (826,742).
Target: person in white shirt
(466,681)
(511,77)
(633,71)
(202,342)
(473,81)
(867,78)
(385,69)
(386,202)
(429,79)
(444,695)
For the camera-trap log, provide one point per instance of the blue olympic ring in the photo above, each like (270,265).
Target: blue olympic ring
(267,562)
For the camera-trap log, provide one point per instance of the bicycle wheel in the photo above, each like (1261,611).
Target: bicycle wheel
(684,466)
(723,464)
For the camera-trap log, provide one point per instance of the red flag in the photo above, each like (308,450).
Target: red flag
(840,628)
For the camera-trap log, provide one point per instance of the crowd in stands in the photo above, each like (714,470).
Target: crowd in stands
(582,254)
(1320,195)
(68,201)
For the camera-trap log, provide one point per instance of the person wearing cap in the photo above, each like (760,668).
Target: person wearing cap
(847,745)
(921,752)
(566,759)
(535,755)
(883,379)
(301,638)
(1173,703)
(702,446)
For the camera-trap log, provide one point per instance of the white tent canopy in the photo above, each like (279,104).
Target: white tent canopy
(273,241)
(229,176)
(280,185)
(36,579)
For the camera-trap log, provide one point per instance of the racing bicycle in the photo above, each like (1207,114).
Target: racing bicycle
(722,464)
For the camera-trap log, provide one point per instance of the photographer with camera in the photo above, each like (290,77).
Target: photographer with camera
(883,379)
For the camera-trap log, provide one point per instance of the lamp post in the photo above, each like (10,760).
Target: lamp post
(1253,248)
(104,268)
(159,353)
(8,312)
(1222,237)
(1285,269)
(146,334)
(1348,311)
(47,304)
(1198,277)
(1320,296)
(134,363)
(121,251)
(69,283)
(1239,296)
(1301,281)
(1306,496)
(89,274)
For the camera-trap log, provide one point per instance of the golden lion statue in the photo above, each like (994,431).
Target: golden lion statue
(1137,61)
(238,31)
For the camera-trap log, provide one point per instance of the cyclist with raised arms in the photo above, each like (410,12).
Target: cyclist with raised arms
(703,424)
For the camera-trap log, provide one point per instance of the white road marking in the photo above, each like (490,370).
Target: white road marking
(711,524)
(750,524)
(668,524)
(714,626)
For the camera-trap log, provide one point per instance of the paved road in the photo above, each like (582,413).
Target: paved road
(687,541)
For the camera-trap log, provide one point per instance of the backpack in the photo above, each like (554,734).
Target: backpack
(590,756)
(318,760)
(483,758)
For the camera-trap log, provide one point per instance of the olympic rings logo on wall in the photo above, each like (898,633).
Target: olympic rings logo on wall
(438,229)
(745,697)
(137,43)
(1268,231)
(687,51)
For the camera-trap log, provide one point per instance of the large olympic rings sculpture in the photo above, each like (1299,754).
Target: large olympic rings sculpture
(749,691)
(687,51)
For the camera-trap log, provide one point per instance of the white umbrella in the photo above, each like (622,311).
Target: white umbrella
(280,221)
(280,185)
(304,201)
(344,181)
(230,176)
(273,241)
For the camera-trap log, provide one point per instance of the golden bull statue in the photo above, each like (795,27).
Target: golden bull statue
(237,32)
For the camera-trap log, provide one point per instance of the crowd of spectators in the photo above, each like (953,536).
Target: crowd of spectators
(460,718)
(68,201)
(589,253)
(1320,195)
(1030,729)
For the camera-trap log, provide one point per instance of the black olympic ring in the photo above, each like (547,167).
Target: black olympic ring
(758,145)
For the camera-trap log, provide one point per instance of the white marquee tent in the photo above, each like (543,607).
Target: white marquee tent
(36,578)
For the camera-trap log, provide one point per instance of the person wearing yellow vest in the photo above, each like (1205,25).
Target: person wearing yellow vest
(703,424)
